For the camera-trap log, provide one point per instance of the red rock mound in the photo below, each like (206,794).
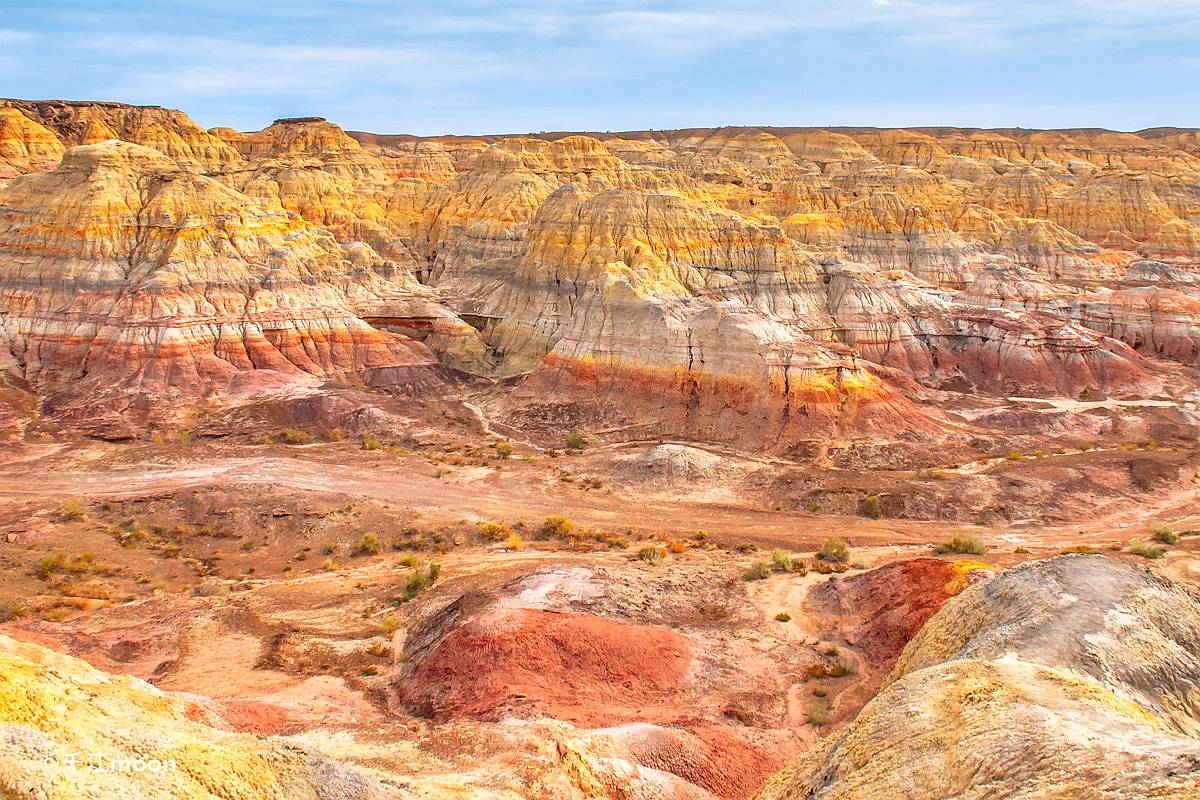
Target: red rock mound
(578,668)
(880,610)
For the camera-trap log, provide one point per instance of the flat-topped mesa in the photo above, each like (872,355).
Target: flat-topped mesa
(169,131)
(313,136)
(123,275)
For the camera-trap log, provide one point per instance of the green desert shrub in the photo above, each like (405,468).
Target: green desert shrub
(1147,550)
(871,506)
(962,542)
(782,561)
(420,579)
(834,550)
(369,545)
(757,571)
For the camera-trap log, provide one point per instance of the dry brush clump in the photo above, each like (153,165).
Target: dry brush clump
(1147,550)
(369,545)
(652,553)
(782,561)
(871,506)
(1164,534)
(70,511)
(556,526)
(495,531)
(963,543)
(295,436)
(757,571)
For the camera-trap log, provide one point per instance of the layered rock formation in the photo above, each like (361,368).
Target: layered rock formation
(767,285)
(1073,677)
(128,277)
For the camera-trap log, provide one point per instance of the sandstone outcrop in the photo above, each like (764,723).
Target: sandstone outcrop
(1072,677)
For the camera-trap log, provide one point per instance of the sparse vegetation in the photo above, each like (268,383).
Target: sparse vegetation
(676,546)
(60,562)
(12,610)
(782,561)
(575,442)
(871,506)
(496,531)
(51,564)
(819,714)
(369,545)
(295,436)
(370,441)
(389,624)
(841,667)
(514,542)
(835,551)
(421,578)
(652,553)
(70,511)
(962,542)
(334,435)
(504,450)
(1147,550)
(783,616)
(1014,455)
(757,571)
(556,526)
(1164,534)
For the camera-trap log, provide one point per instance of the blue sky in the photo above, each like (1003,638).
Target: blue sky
(475,66)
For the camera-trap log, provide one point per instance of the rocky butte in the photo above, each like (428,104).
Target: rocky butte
(711,463)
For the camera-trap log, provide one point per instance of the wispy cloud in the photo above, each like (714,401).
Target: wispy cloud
(509,64)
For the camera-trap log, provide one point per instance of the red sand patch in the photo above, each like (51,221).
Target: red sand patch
(578,668)
(252,716)
(713,757)
(881,610)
